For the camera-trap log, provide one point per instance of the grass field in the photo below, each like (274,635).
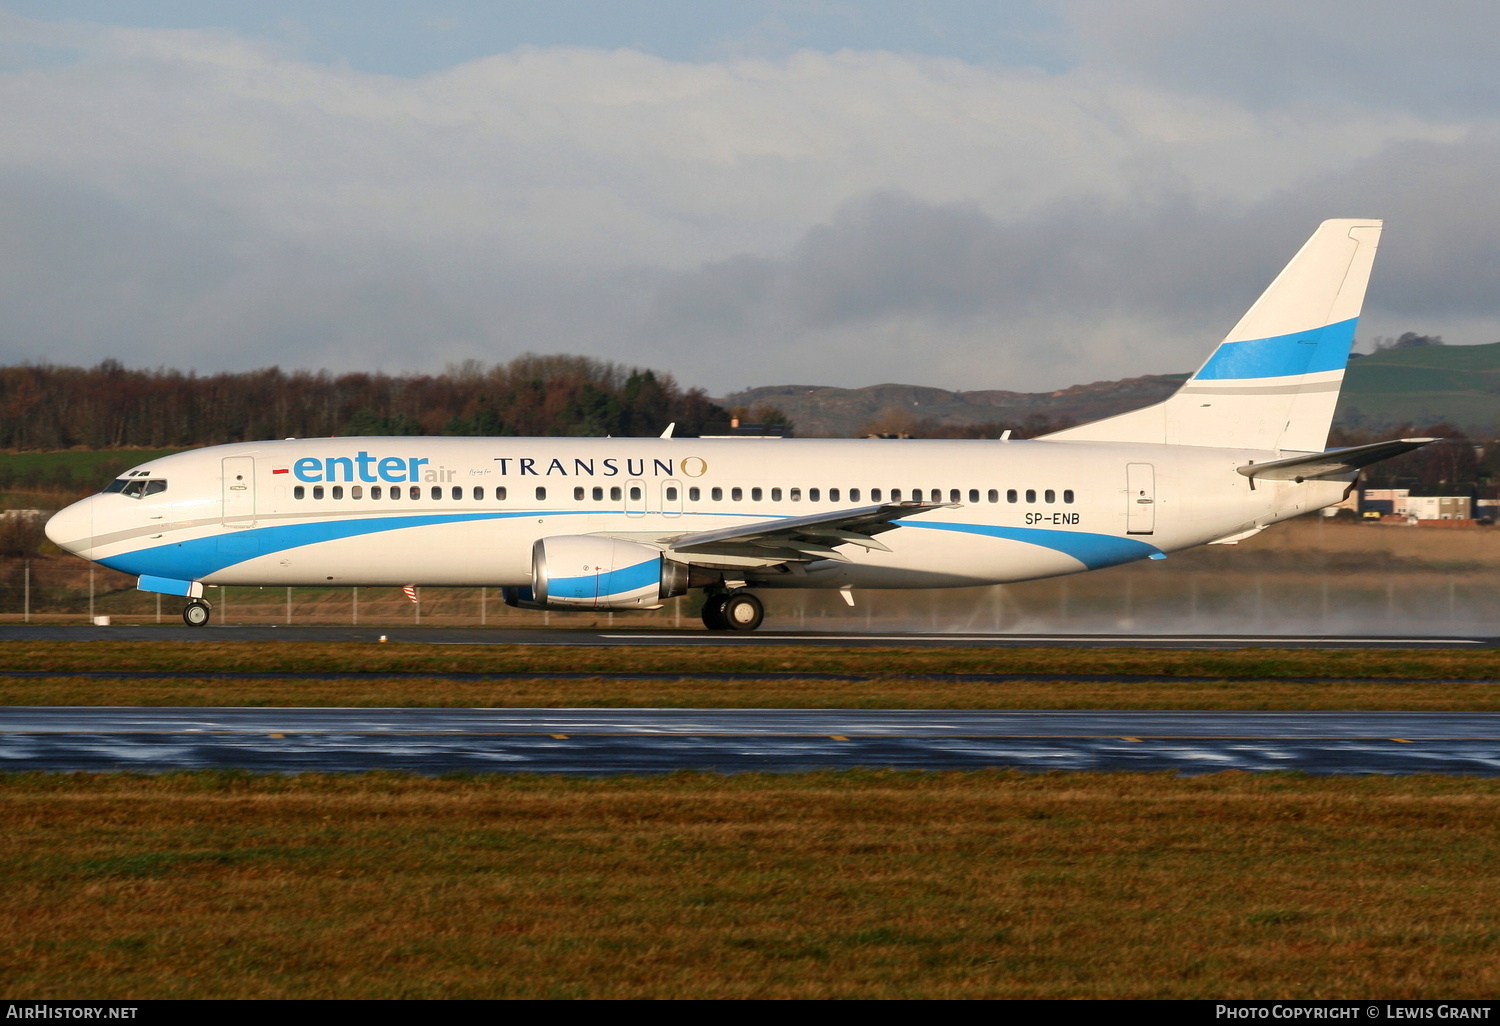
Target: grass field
(822,885)
(408,675)
(858,884)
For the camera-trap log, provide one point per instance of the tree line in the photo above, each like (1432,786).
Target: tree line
(110,406)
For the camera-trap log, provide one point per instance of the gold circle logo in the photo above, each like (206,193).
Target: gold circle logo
(694,467)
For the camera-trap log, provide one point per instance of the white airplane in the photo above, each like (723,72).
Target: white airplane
(625,523)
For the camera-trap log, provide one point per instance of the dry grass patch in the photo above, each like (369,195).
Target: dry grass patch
(369,657)
(883,691)
(869,884)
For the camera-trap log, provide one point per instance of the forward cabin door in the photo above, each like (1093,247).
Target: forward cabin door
(1140,489)
(239,491)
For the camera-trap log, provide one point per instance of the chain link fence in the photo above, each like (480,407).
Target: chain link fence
(1145,598)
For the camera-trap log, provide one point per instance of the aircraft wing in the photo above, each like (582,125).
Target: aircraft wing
(789,539)
(1331,463)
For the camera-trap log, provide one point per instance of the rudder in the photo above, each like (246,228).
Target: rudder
(1274,381)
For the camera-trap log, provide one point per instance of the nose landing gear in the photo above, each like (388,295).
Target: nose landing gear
(196,613)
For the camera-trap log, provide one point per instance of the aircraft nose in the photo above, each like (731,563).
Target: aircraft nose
(72,529)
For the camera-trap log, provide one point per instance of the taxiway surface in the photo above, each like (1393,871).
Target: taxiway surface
(610,741)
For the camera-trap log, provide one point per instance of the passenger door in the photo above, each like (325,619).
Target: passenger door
(239,491)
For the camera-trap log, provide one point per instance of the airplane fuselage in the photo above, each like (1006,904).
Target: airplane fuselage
(466,511)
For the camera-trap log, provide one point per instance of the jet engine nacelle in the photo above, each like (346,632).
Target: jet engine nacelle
(579,571)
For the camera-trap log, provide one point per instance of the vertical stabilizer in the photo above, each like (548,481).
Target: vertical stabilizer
(1274,381)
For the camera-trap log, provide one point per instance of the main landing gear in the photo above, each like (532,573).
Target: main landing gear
(196,613)
(733,611)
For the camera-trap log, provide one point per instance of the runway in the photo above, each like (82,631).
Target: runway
(644,741)
(587,637)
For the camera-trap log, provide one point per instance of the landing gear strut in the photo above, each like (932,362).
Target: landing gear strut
(196,613)
(735,611)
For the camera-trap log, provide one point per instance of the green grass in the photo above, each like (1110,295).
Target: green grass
(863,884)
(372,674)
(697,692)
(373,657)
(92,468)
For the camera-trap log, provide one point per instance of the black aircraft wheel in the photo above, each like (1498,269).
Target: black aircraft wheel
(713,613)
(743,611)
(196,613)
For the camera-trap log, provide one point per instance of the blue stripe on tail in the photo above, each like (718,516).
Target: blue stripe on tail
(1303,352)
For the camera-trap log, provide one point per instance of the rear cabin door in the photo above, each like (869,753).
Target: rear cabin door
(1140,488)
(239,491)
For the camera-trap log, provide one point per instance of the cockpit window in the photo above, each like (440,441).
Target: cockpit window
(138,487)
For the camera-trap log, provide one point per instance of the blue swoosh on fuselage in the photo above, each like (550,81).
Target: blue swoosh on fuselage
(193,560)
(1094,551)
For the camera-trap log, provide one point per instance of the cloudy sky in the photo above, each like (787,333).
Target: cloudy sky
(966,194)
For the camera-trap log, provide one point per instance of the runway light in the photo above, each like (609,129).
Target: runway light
(382,637)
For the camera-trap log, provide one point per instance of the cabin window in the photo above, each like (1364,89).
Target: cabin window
(437,492)
(1049,496)
(338,491)
(795,494)
(994,495)
(716,494)
(1031,495)
(300,492)
(694,494)
(916,495)
(478,492)
(598,494)
(1010,495)
(458,492)
(615,494)
(1068,495)
(775,494)
(755,494)
(736,494)
(812,494)
(974,495)
(153,487)
(317,491)
(953,495)
(853,495)
(895,495)
(541,493)
(833,495)
(578,493)
(376,492)
(500,493)
(415,492)
(874,494)
(357,492)
(671,494)
(635,493)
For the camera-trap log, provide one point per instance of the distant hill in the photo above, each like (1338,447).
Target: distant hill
(1421,385)
(821,411)
(1424,385)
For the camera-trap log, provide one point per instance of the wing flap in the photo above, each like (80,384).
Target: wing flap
(789,539)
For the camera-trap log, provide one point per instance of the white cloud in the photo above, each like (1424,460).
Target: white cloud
(200,198)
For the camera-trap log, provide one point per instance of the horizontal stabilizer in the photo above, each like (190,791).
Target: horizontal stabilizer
(1332,463)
